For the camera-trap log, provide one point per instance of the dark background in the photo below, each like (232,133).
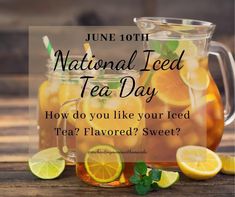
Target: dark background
(17,15)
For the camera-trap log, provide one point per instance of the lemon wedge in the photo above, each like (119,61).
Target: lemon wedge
(198,162)
(228,164)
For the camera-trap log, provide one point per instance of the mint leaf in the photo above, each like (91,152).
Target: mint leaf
(145,183)
(155,45)
(166,49)
(172,45)
(147,180)
(155,174)
(154,186)
(142,189)
(135,179)
(169,55)
(140,168)
(114,85)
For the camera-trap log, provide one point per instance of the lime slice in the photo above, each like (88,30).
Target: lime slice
(103,163)
(47,164)
(228,164)
(168,179)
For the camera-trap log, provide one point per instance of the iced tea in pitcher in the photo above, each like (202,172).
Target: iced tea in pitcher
(187,95)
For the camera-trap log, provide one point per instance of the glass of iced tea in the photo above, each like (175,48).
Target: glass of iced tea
(58,87)
(187,92)
(107,130)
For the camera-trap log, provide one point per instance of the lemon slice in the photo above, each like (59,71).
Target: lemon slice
(194,76)
(107,106)
(167,82)
(190,49)
(103,163)
(228,164)
(47,164)
(122,178)
(198,162)
(168,178)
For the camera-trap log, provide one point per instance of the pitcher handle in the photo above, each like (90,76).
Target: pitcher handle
(67,154)
(227,67)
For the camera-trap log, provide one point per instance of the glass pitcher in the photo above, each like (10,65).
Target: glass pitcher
(190,89)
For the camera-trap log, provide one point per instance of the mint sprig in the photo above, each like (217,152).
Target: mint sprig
(166,49)
(143,180)
(140,168)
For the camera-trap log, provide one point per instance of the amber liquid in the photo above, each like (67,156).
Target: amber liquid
(122,181)
(211,111)
(85,143)
(51,96)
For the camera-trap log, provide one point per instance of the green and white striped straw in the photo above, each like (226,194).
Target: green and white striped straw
(49,47)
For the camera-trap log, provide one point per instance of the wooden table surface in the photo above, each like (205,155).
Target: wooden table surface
(16,179)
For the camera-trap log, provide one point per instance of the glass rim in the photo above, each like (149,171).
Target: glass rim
(175,21)
(175,28)
(116,75)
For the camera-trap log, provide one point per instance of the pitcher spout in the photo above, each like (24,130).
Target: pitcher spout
(145,24)
(174,27)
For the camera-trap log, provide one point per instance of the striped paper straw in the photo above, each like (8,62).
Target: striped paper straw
(49,47)
(87,48)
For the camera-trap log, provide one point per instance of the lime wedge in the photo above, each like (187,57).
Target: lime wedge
(168,178)
(47,164)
